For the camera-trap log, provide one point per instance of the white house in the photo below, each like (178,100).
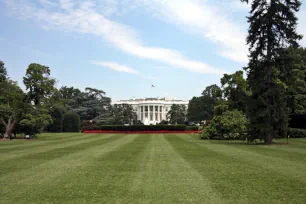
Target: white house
(152,110)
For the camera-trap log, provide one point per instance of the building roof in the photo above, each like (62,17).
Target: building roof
(134,100)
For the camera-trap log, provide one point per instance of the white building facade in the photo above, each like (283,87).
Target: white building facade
(152,110)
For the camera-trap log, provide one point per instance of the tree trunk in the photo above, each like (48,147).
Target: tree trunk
(9,127)
(268,138)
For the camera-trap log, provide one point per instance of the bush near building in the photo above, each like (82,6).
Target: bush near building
(71,122)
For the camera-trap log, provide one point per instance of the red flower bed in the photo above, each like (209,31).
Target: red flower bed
(142,132)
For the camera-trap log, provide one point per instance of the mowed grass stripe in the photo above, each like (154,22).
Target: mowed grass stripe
(12,145)
(167,178)
(49,147)
(266,157)
(238,180)
(108,176)
(33,158)
(63,160)
(96,176)
(277,153)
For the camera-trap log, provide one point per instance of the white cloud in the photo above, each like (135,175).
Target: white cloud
(116,66)
(47,3)
(208,21)
(66,4)
(122,68)
(82,17)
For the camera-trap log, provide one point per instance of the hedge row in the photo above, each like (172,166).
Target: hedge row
(296,133)
(191,128)
(137,128)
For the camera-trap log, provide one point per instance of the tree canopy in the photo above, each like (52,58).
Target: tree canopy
(272,28)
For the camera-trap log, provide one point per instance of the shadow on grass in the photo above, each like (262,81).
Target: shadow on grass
(240,142)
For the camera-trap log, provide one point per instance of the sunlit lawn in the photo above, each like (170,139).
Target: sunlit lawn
(79,168)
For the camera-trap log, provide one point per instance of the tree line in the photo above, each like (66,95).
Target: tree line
(272,97)
(43,107)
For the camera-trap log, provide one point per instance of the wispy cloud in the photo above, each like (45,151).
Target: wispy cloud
(116,66)
(83,17)
(205,19)
(122,68)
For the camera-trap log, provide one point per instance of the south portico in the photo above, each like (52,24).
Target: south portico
(152,110)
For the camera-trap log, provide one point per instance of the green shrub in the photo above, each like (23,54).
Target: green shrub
(71,122)
(203,133)
(135,127)
(87,125)
(229,125)
(296,133)
(57,117)
(212,132)
(190,128)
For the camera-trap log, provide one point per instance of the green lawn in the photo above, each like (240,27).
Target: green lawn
(79,168)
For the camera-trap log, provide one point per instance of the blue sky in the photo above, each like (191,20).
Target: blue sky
(124,46)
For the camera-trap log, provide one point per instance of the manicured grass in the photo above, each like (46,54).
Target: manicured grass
(110,168)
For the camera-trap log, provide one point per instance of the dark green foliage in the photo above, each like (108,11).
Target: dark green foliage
(138,127)
(164,122)
(122,114)
(87,125)
(38,82)
(194,109)
(228,125)
(2,128)
(297,133)
(89,105)
(292,62)
(199,109)
(71,122)
(192,128)
(138,122)
(236,90)
(202,108)
(3,72)
(57,114)
(212,91)
(272,28)
(177,114)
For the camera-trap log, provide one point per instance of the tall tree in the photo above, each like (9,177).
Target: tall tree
(12,106)
(94,105)
(123,114)
(73,97)
(292,62)
(200,108)
(211,91)
(236,90)
(177,114)
(272,28)
(57,107)
(3,72)
(38,82)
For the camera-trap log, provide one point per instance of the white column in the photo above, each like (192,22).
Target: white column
(149,113)
(139,112)
(158,119)
(163,112)
(154,113)
(143,114)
